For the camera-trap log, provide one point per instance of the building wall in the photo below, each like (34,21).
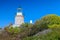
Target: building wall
(19,19)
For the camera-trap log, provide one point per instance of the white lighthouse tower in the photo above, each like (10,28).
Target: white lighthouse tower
(19,18)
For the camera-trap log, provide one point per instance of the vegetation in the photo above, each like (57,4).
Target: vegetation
(29,31)
(53,35)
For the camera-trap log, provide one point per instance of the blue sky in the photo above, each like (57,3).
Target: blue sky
(32,9)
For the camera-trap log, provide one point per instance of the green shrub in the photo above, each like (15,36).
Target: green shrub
(48,20)
(53,35)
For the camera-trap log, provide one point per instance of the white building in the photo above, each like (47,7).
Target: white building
(31,21)
(19,18)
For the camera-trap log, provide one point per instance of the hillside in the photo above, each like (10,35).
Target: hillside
(46,28)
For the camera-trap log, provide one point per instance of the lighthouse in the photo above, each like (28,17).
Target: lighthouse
(19,18)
